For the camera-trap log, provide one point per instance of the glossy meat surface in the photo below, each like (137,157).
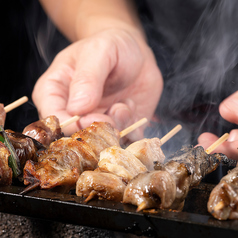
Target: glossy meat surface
(147,151)
(23,145)
(223,200)
(45,131)
(5,170)
(185,169)
(101,185)
(54,168)
(81,148)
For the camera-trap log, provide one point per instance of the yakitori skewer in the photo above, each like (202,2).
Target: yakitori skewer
(15,104)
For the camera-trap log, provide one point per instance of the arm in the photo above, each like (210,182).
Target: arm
(108,73)
(78,19)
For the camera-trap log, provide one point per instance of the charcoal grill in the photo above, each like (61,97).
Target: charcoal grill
(193,221)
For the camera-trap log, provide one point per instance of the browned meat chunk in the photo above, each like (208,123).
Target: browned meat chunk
(98,184)
(54,168)
(99,135)
(45,131)
(5,170)
(24,147)
(223,200)
(80,147)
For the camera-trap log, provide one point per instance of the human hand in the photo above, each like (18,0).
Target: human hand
(228,110)
(110,76)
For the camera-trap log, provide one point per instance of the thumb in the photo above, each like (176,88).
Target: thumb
(229,108)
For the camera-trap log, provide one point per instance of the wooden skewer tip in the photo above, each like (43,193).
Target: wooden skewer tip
(170,134)
(133,127)
(69,121)
(217,143)
(16,104)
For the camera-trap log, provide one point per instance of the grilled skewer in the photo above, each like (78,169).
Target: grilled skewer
(168,187)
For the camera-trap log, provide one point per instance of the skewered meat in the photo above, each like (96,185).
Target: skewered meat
(54,168)
(99,135)
(121,163)
(80,147)
(2,115)
(45,131)
(186,168)
(5,170)
(38,174)
(223,200)
(115,168)
(147,151)
(102,185)
(25,147)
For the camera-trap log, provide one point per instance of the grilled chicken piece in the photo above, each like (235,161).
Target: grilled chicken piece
(5,170)
(186,168)
(121,163)
(155,189)
(54,168)
(2,115)
(148,151)
(223,200)
(80,147)
(99,135)
(99,184)
(45,131)
(25,147)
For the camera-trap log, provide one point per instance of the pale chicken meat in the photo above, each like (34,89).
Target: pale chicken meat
(223,200)
(99,135)
(101,185)
(185,169)
(121,163)
(148,151)
(45,130)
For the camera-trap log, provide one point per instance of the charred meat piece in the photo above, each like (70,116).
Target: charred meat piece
(2,115)
(45,131)
(148,151)
(5,170)
(25,147)
(99,184)
(99,135)
(121,163)
(223,200)
(54,168)
(185,168)
(80,147)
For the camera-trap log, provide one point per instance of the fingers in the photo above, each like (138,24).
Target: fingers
(229,108)
(93,64)
(229,147)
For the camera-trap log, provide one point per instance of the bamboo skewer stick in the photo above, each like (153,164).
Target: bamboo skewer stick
(69,121)
(15,104)
(170,134)
(217,143)
(133,127)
